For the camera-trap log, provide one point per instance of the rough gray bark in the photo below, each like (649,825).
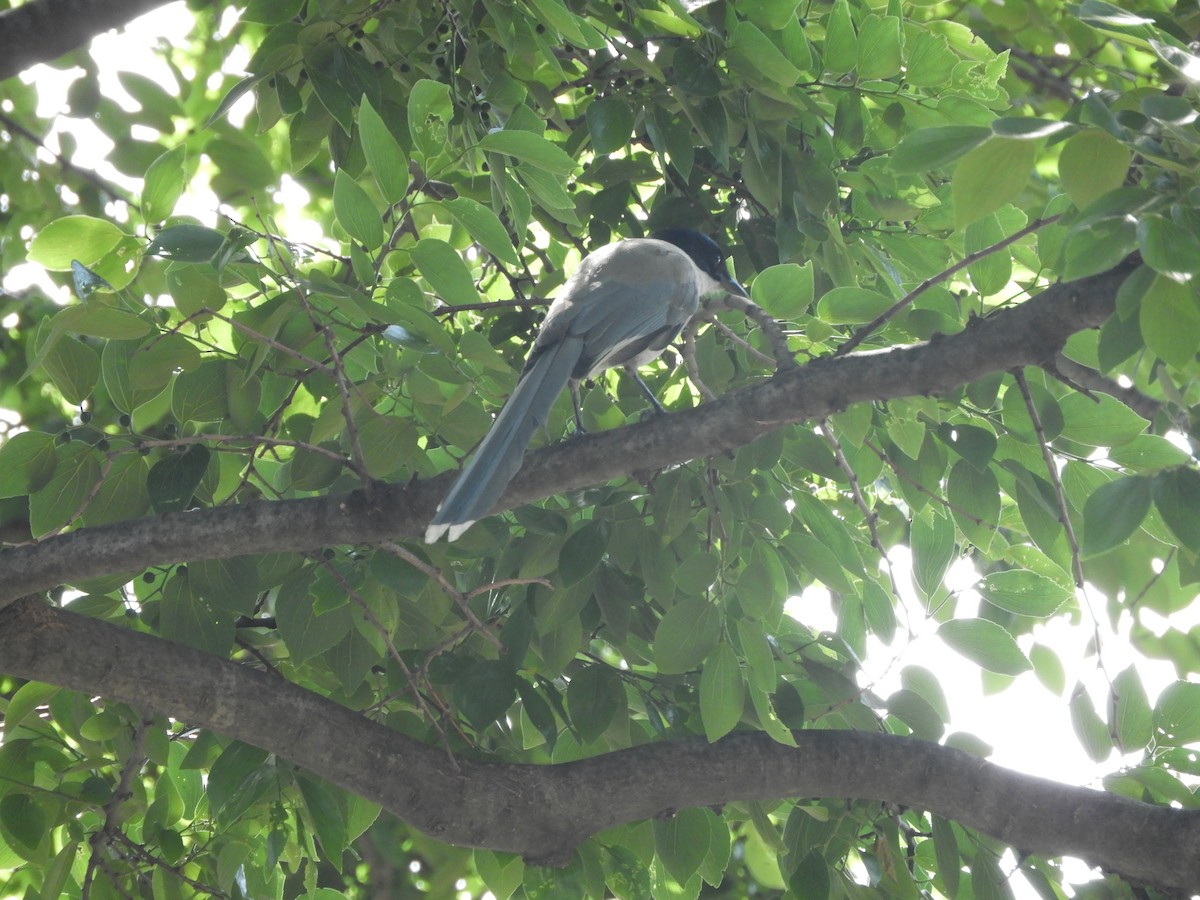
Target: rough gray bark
(544,812)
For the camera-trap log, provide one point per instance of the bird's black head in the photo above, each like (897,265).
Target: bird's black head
(704,252)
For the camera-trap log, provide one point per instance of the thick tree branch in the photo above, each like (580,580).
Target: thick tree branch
(43,30)
(544,812)
(1030,334)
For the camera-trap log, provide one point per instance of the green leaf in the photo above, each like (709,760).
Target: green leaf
(173,479)
(485,228)
(932,550)
(879,42)
(230,584)
(1114,511)
(1177,713)
(485,690)
(1177,497)
(74,237)
(24,819)
(164,183)
(74,367)
(582,552)
(785,291)
(186,243)
(1131,718)
(930,60)
(1170,321)
(752,53)
(329,821)
(27,698)
(501,872)
(187,618)
(1098,246)
(989,176)
(810,879)
(1048,667)
(1027,128)
(531,148)
(306,632)
(986,644)
(686,635)
(66,493)
(932,148)
(610,122)
(851,305)
(682,842)
(230,772)
(158,358)
(388,444)
(1148,452)
(1093,734)
(840,53)
(199,395)
(430,110)
(445,271)
(1024,592)
(917,713)
(593,698)
(356,212)
(1168,248)
(1099,420)
(384,156)
(722,693)
(1091,164)
(27,463)
(123,493)
(991,273)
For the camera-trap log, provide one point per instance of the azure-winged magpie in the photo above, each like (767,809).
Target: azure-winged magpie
(622,307)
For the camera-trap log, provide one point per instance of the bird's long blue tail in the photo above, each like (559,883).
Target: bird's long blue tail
(498,457)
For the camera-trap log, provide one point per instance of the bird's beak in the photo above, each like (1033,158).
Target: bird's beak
(733,287)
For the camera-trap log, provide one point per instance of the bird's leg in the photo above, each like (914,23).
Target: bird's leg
(645,389)
(579,429)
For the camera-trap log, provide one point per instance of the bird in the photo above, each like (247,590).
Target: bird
(624,304)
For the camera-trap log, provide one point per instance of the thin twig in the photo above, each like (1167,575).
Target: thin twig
(1052,469)
(875,324)
(435,573)
(860,501)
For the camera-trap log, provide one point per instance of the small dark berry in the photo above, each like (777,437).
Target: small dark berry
(65,437)
(102,445)
(540,28)
(444,28)
(485,106)
(357,45)
(85,416)
(440,62)
(181,571)
(170,428)
(404,67)
(431,46)
(620,82)
(618,7)
(378,64)
(486,167)
(588,89)
(271,82)
(148,577)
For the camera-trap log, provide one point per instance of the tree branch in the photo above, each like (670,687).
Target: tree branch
(43,30)
(544,812)
(1030,334)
